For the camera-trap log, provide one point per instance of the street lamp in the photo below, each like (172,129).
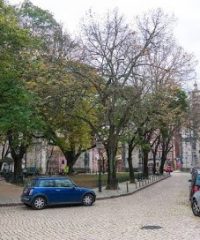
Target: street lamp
(99,146)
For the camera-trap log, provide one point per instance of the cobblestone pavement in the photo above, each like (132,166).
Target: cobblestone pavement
(164,205)
(9,193)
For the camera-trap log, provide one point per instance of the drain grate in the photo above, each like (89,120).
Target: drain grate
(151,227)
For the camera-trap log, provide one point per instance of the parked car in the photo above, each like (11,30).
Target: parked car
(168,169)
(195,182)
(30,171)
(46,191)
(195,203)
(194,169)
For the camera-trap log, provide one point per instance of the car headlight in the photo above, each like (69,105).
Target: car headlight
(31,192)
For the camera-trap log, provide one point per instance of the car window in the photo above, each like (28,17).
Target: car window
(198,180)
(46,183)
(194,177)
(63,183)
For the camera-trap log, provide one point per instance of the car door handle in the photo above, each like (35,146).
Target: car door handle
(57,190)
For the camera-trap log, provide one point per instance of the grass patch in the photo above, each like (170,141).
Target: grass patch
(91,180)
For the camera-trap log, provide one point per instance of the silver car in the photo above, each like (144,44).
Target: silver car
(195,201)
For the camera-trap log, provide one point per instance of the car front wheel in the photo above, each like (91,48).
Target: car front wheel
(39,203)
(195,208)
(88,200)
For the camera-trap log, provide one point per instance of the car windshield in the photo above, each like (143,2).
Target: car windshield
(198,180)
(32,183)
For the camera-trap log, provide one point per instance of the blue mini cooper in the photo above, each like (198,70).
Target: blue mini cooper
(46,191)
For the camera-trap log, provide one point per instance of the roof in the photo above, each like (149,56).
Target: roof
(50,177)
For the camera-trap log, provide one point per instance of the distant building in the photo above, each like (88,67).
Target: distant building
(190,144)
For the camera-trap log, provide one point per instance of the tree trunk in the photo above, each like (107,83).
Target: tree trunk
(17,153)
(130,164)
(145,164)
(163,159)
(17,170)
(154,163)
(154,152)
(165,149)
(111,150)
(71,158)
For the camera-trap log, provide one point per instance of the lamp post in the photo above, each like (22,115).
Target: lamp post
(99,147)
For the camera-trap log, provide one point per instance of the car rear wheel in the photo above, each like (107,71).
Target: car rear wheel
(195,208)
(88,200)
(39,203)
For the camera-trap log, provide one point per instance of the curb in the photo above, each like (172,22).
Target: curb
(130,193)
(10,204)
(100,198)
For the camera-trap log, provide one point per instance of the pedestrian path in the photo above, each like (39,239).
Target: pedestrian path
(126,188)
(10,193)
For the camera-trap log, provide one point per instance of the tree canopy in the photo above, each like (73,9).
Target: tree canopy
(116,83)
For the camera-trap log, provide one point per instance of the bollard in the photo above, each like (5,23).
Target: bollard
(127,187)
(118,184)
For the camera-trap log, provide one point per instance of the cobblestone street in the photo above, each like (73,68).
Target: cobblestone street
(164,205)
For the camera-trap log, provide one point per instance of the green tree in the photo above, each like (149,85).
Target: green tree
(171,123)
(64,107)
(60,83)
(18,115)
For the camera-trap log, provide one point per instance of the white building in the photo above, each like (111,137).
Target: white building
(190,144)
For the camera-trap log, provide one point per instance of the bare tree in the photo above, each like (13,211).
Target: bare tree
(119,55)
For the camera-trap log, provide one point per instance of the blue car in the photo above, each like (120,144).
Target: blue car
(46,191)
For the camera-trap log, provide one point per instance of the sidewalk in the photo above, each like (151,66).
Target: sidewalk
(126,188)
(10,194)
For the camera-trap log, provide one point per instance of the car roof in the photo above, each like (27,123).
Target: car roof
(195,168)
(50,178)
(196,172)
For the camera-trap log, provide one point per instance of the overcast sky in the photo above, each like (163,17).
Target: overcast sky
(187,13)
